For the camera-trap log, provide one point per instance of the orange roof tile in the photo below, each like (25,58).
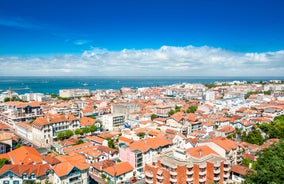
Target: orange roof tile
(201,151)
(240,169)
(149,143)
(25,155)
(225,143)
(19,169)
(119,169)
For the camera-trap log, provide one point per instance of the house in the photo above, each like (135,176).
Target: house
(225,147)
(143,151)
(238,172)
(71,169)
(97,140)
(45,129)
(119,172)
(6,141)
(18,174)
(225,131)
(23,155)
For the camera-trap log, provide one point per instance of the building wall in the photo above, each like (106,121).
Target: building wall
(24,132)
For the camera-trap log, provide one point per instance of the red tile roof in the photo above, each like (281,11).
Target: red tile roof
(119,169)
(149,143)
(37,169)
(240,169)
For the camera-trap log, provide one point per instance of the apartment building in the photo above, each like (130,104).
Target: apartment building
(143,151)
(198,165)
(71,93)
(18,174)
(45,129)
(227,148)
(113,121)
(13,112)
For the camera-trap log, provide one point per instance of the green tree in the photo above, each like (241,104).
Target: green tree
(192,109)
(4,161)
(86,130)
(269,166)
(80,141)
(54,96)
(142,135)
(171,112)
(177,109)
(153,116)
(17,146)
(93,117)
(110,143)
(68,134)
(253,137)
(246,161)
(78,131)
(61,136)
(210,85)
(93,128)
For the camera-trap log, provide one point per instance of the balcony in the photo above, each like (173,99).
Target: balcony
(202,179)
(201,173)
(218,164)
(173,180)
(159,177)
(202,166)
(149,174)
(226,175)
(189,172)
(148,181)
(226,168)
(173,173)
(217,178)
(190,179)
(190,166)
(217,171)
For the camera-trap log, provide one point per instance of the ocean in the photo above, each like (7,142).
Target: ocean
(49,85)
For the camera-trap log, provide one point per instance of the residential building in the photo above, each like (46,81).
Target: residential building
(19,174)
(45,129)
(113,121)
(143,151)
(225,147)
(119,172)
(13,112)
(198,165)
(71,169)
(72,93)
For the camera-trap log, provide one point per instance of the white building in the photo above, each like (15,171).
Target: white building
(113,121)
(69,93)
(209,96)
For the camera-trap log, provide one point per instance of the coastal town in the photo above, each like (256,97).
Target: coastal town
(177,134)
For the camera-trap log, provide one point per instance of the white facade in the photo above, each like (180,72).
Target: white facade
(75,176)
(69,93)
(209,96)
(113,121)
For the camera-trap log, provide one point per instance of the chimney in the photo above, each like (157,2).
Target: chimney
(200,152)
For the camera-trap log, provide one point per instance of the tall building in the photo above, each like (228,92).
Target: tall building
(197,165)
(113,121)
(69,93)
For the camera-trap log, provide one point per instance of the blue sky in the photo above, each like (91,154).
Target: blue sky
(38,32)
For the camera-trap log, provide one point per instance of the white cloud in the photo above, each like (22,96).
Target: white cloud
(166,61)
(82,42)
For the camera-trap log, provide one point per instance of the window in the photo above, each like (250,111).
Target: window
(16,182)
